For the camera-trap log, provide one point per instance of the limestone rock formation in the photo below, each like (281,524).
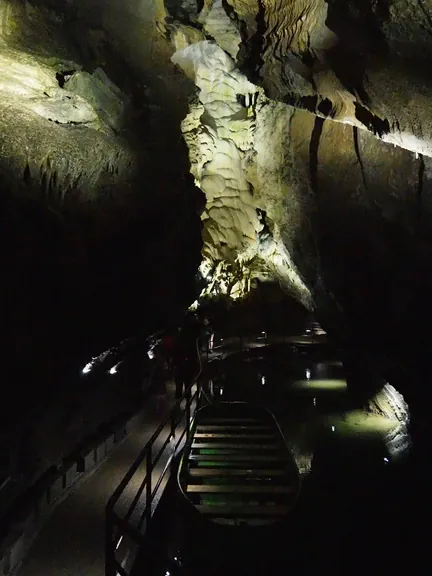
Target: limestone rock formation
(308,129)
(354,62)
(321,181)
(242,179)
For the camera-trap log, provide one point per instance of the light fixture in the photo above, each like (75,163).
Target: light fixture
(333,428)
(308,374)
(263,380)
(113,370)
(87,368)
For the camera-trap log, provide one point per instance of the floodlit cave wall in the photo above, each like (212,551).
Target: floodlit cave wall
(239,159)
(310,136)
(357,62)
(99,226)
(307,128)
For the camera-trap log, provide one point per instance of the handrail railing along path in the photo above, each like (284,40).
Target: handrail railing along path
(125,532)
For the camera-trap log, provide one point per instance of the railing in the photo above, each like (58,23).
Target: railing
(255,340)
(125,533)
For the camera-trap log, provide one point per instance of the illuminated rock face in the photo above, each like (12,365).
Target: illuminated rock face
(39,106)
(95,221)
(310,173)
(352,62)
(237,158)
(290,137)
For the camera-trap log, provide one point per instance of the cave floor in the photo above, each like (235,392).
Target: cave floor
(71,542)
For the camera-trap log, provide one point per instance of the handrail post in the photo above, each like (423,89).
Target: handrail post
(188,406)
(110,569)
(149,471)
(199,386)
(172,423)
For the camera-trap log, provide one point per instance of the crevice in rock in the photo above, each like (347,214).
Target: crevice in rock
(373,123)
(313,152)
(262,215)
(357,151)
(63,76)
(314,104)
(256,44)
(325,107)
(27,175)
(303,102)
(420,188)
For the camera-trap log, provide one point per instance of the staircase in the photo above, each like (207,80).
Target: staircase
(236,468)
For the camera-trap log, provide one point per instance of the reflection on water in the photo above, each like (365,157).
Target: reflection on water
(311,402)
(323,385)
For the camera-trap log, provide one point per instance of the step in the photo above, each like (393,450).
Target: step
(242,510)
(221,472)
(222,445)
(236,458)
(239,489)
(229,420)
(219,427)
(233,451)
(236,436)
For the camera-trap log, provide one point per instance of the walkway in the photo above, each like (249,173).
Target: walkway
(71,543)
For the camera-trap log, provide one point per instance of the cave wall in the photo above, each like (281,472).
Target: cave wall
(99,224)
(343,101)
(305,124)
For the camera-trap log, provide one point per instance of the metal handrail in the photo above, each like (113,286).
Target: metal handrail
(116,526)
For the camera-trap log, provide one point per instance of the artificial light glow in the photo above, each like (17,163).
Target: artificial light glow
(386,460)
(314,401)
(322,385)
(360,423)
(263,380)
(113,370)
(333,428)
(150,354)
(308,373)
(87,368)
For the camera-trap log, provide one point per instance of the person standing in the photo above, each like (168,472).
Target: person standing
(185,356)
(158,379)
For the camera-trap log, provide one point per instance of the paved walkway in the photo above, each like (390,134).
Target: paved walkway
(71,542)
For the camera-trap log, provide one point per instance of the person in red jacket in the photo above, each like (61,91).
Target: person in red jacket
(168,347)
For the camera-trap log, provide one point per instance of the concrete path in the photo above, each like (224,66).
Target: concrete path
(71,542)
